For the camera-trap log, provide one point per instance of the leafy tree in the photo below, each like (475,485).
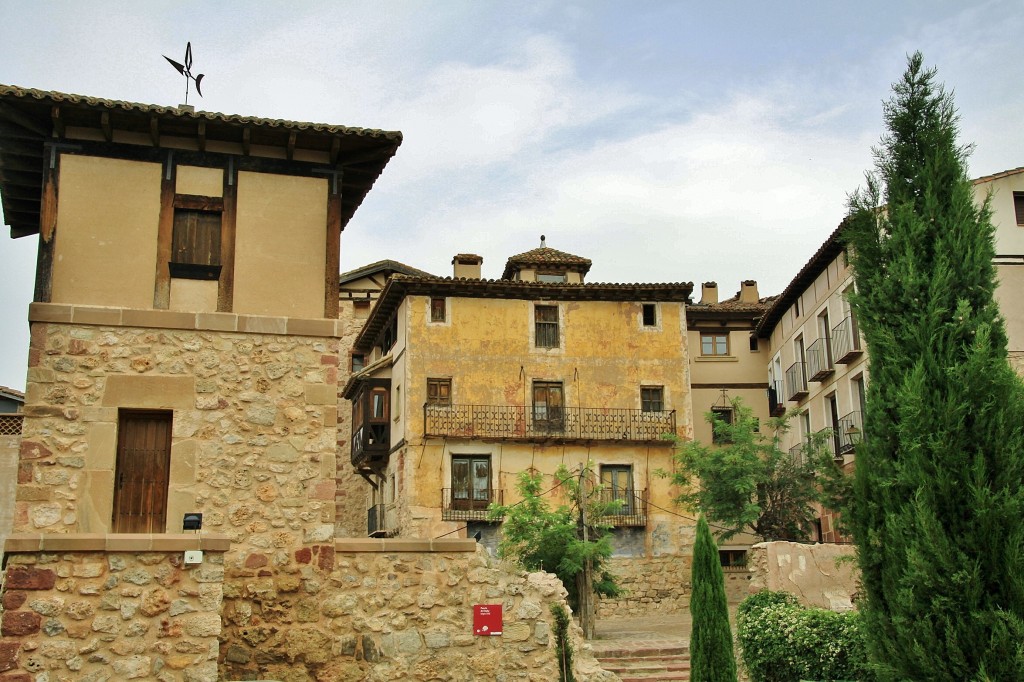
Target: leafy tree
(939,485)
(711,656)
(557,540)
(749,484)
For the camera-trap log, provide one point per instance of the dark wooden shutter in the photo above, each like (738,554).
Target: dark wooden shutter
(143,471)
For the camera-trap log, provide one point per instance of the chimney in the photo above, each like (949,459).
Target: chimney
(467,266)
(748,291)
(709,293)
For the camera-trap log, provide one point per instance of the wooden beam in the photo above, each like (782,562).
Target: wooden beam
(164,237)
(22,192)
(201,134)
(335,150)
(108,130)
(332,265)
(19,163)
(19,232)
(23,178)
(9,130)
(57,120)
(290,150)
(20,148)
(246,139)
(47,233)
(226,289)
(368,155)
(21,119)
(154,131)
(196,202)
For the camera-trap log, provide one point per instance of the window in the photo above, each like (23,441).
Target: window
(379,404)
(796,307)
(437,309)
(439,391)
(753,343)
(723,416)
(551,278)
(389,335)
(358,362)
(650,315)
(471,482)
(547,405)
(618,482)
(195,244)
(143,472)
(732,558)
(652,398)
(1018,207)
(546,326)
(714,343)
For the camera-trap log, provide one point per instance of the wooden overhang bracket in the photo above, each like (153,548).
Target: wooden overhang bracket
(108,130)
(57,120)
(19,118)
(154,130)
(291,145)
(246,139)
(201,134)
(335,150)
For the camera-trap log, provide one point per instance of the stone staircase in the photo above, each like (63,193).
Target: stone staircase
(639,661)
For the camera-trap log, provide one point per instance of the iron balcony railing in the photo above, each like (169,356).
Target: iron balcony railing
(631,507)
(797,454)
(468,505)
(846,346)
(796,381)
(819,359)
(566,423)
(830,439)
(776,403)
(851,432)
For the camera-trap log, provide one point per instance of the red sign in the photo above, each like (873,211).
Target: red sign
(487,619)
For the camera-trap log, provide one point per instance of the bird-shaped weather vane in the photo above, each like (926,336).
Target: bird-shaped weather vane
(186,71)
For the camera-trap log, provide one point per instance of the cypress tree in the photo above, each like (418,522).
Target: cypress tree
(711,656)
(938,502)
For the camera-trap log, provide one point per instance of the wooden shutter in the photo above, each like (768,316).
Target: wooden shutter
(143,472)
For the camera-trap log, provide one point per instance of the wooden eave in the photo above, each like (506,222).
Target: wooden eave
(400,286)
(32,120)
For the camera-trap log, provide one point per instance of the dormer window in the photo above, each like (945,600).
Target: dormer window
(551,278)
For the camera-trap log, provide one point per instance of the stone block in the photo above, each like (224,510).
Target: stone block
(30,578)
(159,319)
(149,392)
(102,439)
(222,322)
(9,655)
(20,623)
(95,315)
(49,312)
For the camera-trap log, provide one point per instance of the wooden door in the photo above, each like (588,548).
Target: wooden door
(143,471)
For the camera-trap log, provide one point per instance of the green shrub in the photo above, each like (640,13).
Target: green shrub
(563,646)
(782,641)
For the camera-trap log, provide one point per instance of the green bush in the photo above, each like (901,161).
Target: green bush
(782,641)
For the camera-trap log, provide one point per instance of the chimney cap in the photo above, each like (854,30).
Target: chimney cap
(467,258)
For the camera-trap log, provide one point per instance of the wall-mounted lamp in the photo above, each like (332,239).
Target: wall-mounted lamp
(192,521)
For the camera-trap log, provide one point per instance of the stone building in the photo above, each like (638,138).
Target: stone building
(174,383)
(469,381)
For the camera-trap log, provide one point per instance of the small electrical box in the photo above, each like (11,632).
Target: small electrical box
(194,556)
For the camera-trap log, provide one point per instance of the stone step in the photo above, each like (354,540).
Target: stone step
(642,651)
(661,664)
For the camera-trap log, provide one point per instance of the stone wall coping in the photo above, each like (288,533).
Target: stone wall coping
(66,313)
(116,542)
(393,545)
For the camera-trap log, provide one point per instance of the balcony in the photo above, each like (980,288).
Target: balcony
(796,381)
(468,505)
(846,345)
(380,522)
(830,439)
(631,510)
(851,432)
(776,405)
(796,453)
(819,359)
(517,422)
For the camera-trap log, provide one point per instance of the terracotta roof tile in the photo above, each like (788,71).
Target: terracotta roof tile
(545,255)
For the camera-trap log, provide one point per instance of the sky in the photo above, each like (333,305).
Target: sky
(666,141)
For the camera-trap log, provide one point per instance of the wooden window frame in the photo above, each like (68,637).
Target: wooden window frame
(546,332)
(438,309)
(651,397)
(553,418)
(714,336)
(197,237)
(439,391)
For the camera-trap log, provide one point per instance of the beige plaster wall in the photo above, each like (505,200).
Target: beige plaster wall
(1009,236)
(280,245)
(207,182)
(1010,297)
(107,222)
(823,575)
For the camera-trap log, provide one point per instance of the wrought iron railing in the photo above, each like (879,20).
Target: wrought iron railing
(776,403)
(10,424)
(851,432)
(469,505)
(517,421)
(819,359)
(846,344)
(797,453)
(830,440)
(630,508)
(796,381)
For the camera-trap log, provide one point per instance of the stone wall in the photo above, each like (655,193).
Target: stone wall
(98,608)
(823,575)
(9,446)
(384,610)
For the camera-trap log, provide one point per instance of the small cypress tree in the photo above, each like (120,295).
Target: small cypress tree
(711,656)
(938,496)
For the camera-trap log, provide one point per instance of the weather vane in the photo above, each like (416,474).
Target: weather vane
(186,70)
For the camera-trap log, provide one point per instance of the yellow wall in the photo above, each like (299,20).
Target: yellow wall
(1009,236)
(107,220)
(280,245)
(207,182)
